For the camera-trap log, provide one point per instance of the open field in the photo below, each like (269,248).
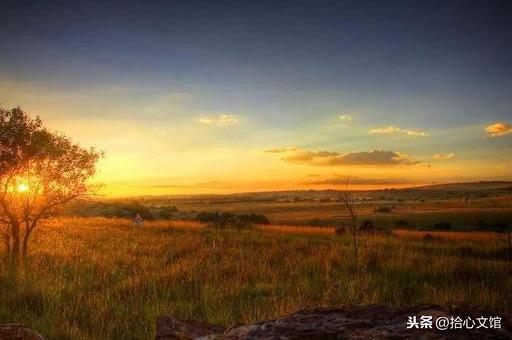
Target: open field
(255,170)
(97,278)
(468,206)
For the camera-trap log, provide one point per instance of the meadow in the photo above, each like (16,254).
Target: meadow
(465,206)
(98,278)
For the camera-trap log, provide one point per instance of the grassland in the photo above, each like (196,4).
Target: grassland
(466,206)
(97,278)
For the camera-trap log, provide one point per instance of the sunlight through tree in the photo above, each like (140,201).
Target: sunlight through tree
(40,170)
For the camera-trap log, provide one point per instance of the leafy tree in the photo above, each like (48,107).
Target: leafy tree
(39,171)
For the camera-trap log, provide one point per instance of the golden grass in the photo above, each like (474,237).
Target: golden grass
(403,233)
(296,229)
(450,235)
(96,278)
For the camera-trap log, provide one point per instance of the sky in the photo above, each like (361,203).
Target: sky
(235,96)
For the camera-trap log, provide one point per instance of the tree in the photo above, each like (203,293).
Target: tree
(350,205)
(40,170)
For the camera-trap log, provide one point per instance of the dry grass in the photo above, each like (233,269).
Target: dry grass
(451,235)
(296,229)
(101,279)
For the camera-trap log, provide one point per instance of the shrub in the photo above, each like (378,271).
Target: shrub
(482,225)
(340,230)
(205,217)
(317,222)
(382,209)
(167,213)
(499,226)
(442,226)
(256,218)
(129,211)
(401,223)
(230,220)
(366,225)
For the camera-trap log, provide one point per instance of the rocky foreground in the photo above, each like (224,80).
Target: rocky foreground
(18,332)
(354,322)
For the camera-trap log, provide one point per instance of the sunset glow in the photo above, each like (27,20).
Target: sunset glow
(253,100)
(301,169)
(22,187)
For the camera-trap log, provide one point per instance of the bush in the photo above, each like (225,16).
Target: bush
(366,226)
(167,213)
(257,218)
(383,209)
(340,230)
(206,217)
(482,225)
(317,222)
(401,223)
(129,211)
(442,226)
(230,220)
(499,226)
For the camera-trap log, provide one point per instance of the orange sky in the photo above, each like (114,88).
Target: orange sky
(215,97)
(205,152)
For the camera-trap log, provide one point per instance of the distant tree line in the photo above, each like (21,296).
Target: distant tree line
(230,220)
(129,211)
(120,210)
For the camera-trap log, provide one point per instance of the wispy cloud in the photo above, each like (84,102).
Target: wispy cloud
(444,156)
(280,150)
(220,120)
(345,118)
(394,129)
(343,180)
(498,129)
(333,158)
(201,185)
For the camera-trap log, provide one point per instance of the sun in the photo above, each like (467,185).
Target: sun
(22,187)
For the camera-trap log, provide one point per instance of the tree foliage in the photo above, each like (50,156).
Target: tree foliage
(39,171)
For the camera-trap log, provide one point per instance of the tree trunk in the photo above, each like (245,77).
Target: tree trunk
(7,242)
(14,255)
(26,238)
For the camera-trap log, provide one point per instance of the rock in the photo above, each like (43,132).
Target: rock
(18,332)
(170,328)
(352,322)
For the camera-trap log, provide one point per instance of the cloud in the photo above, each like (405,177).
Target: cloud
(443,156)
(332,158)
(342,180)
(220,120)
(198,185)
(307,156)
(498,129)
(394,129)
(345,118)
(279,150)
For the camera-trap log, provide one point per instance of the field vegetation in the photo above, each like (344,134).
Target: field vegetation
(483,206)
(99,278)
